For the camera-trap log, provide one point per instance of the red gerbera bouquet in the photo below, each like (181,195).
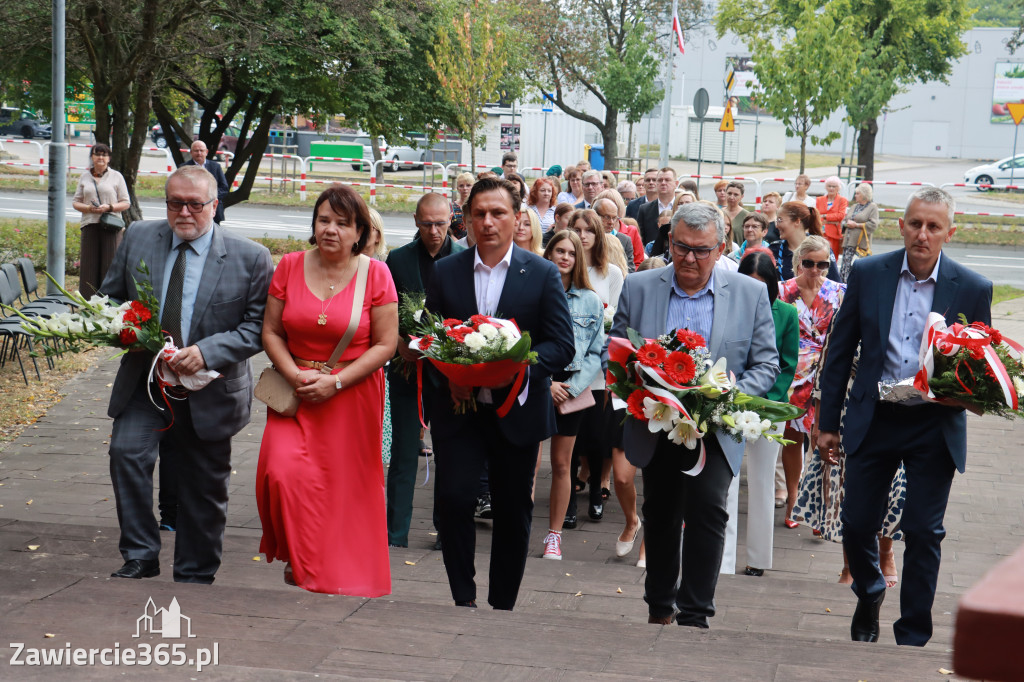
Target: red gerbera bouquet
(971,366)
(671,384)
(482,351)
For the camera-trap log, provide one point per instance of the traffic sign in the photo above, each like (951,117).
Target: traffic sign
(546,105)
(728,124)
(700,104)
(1016,111)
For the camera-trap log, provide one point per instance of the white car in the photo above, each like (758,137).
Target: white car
(1008,171)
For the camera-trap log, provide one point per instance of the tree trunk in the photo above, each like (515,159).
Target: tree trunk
(866,134)
(472,147)
(803,150)
(610,136)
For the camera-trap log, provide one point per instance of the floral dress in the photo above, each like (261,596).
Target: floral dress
(814,324)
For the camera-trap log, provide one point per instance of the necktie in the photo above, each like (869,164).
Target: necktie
(171,316)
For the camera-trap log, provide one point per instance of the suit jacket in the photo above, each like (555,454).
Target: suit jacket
(865,318)
(404,264)
(633,207)
(647,220)
(533,296)
(582,203)
(831,221)
(742,331)
(227,320)
(222,185)
(627,247)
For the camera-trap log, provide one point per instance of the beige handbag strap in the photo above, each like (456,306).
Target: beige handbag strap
(357,312)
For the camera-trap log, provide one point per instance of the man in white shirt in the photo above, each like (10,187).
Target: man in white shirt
(499,279)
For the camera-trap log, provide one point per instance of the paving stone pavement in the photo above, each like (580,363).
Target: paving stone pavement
(582,617)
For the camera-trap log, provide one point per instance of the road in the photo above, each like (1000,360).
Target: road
(1003,265)
(250,220)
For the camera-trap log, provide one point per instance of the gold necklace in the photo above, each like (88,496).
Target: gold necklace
(324,305)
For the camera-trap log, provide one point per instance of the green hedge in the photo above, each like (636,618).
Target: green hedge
(21,237)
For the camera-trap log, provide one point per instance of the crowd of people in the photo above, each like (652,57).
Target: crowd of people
(780,292)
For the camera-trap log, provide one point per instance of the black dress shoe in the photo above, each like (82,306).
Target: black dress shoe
(596,512)
(138,568)
(570,521)
(756,572)
(864,627)
(471,604)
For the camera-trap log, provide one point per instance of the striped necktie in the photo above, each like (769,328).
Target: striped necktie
(171,317)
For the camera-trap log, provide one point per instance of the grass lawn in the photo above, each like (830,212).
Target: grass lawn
(792,161)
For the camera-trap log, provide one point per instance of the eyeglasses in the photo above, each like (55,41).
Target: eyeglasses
(699,252)
(433,226)
(193,206)
(592,184)
(808,264)
(608,218)
(101,153)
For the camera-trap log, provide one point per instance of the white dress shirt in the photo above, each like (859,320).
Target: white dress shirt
(488,283)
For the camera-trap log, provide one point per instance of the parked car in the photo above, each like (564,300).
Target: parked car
(23,123)
(998,173)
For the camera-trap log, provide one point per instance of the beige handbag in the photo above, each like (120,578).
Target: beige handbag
(274,390)
(581,402)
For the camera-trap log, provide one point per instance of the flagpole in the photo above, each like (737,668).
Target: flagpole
(666,105)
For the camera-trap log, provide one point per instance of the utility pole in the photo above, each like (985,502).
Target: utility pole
(666,106)
(57,191)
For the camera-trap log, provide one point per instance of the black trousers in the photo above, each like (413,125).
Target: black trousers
(595,440)
(912,435)
(460,459)
(683,575)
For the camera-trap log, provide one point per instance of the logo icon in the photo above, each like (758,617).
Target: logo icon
(164,622)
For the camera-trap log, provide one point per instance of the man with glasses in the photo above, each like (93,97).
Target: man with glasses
(650,191)
(509,164)
(732,313)
(609,214)
(212,287)
(647,216)
(593,184)
(412,268)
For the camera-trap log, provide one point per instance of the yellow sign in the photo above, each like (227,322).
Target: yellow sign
(1016,111)
(728,125)
(730,80)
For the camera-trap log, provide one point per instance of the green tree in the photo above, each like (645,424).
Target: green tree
(610,49)
(471,57)
(803,57)
(894,43)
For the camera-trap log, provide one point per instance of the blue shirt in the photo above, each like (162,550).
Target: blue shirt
(910,310)
(195,259)
(696,312)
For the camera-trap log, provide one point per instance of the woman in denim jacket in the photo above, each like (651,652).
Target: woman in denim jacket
(565,250)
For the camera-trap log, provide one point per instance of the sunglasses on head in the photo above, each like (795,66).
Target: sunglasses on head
(808,264)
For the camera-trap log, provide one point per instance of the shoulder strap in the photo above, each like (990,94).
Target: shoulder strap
(357,311)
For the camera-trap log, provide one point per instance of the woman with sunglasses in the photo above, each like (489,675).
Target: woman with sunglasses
(816,299)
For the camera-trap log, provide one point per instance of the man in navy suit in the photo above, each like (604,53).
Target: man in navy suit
(499,279)
(199,152)
(650,187)
(887,300)
(647,216)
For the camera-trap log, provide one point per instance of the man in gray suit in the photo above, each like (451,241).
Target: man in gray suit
(212,287)
(732,313)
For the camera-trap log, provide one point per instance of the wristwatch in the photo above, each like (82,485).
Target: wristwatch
(337,381)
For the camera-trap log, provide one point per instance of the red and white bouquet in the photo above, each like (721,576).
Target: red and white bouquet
(971,365)
(482,351)
(129,326)
(671,384)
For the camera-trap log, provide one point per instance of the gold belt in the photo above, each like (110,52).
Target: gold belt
(316,364)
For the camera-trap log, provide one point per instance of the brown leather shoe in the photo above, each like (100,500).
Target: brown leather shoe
(664,620)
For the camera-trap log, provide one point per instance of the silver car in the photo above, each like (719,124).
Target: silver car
(1008,171)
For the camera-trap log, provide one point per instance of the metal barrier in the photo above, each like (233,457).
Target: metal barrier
(42,161)
(738,178)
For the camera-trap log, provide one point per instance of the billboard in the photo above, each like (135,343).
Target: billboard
(744,83)
(510,136)
(1008,86)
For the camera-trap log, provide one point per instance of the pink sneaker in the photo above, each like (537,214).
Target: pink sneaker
(553,546)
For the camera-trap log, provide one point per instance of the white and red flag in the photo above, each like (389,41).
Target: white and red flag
(677,28)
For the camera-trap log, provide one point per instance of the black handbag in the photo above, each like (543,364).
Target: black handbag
(109,221)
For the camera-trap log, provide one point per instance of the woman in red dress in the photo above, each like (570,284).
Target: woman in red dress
(319,482)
